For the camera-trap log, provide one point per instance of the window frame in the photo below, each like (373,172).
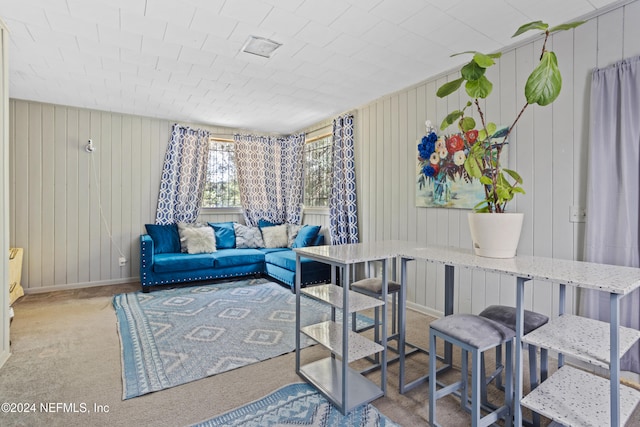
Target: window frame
(222,209)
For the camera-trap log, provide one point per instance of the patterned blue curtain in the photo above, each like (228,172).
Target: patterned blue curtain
(270,177)
(343,204)
(183,176)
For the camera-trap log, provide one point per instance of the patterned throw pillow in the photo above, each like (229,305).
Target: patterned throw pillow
(248,237)
(275,236)
(199,240)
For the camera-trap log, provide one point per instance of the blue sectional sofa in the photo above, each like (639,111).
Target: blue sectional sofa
(163,262)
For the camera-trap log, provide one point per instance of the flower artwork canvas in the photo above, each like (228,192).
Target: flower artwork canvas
(441,177)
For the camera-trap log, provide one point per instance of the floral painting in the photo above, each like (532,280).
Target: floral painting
(441,178)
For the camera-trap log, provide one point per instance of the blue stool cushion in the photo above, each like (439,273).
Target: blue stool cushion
(373,285)
(478,332)
(506,316)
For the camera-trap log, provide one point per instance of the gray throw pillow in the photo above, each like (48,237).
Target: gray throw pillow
(292,233)
(275,236)
(247,237)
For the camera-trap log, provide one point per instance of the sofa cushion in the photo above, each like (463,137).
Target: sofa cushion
(287,260)
(306,236)
(247,237)
(225,234)
(236,257)
(165,238)
(168,262)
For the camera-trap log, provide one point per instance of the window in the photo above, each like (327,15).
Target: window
(318,163)
(221,189)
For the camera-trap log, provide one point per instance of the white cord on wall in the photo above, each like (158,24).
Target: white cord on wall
(90,149)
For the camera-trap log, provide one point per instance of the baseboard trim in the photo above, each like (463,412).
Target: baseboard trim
(81,285)
(4,356)
(424,310)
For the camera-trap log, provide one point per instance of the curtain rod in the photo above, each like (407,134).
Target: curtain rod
(316,138)
(218,139)
(307,140)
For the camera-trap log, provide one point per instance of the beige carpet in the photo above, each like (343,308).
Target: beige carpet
(66,357)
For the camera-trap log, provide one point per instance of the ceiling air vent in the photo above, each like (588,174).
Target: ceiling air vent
(260,46)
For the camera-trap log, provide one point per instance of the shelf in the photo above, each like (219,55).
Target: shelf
(574,397)
(332,294)
(329,334)
(581,338)
(326,375)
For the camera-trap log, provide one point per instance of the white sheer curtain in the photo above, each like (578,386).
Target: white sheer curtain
(270,177)
(613,202)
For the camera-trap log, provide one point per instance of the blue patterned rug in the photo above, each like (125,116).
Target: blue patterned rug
(300,405)
(174,336)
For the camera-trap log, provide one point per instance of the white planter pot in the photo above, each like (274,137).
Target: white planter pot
(495,235)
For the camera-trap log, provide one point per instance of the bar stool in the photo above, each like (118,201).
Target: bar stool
(472,334)
(506,316)
(373,287)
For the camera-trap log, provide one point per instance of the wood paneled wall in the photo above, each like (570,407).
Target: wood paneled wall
(549,149)
(58,191)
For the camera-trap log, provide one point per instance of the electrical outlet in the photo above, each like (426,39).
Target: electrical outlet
(122,260)
(577,214)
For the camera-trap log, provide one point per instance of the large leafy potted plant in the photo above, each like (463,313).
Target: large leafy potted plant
(485,142)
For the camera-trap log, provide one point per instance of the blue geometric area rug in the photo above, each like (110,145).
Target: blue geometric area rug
(174,336)
(300,405)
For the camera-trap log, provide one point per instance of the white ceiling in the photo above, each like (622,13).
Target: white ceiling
(181,59)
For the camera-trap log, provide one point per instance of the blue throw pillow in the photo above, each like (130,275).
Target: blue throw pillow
(225,235)
(166,238)
(306,236)
(264,223)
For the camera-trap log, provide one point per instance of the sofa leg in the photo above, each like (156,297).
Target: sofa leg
(145,289)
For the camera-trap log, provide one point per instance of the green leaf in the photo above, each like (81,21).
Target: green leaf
(504,194)
(544,84)
(472,71)
(467,124)
(449,87)
(450,119)
(480,88)
(513,174)
(535,25)
(495,55)
(491,128)
(473,164)
(486,180)
(564,27)
(481,207)
(518,190)
(484,61)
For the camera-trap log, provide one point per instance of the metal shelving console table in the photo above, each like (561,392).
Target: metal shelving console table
(343,386)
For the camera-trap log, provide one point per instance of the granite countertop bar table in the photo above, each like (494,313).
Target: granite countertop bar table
(617,281)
